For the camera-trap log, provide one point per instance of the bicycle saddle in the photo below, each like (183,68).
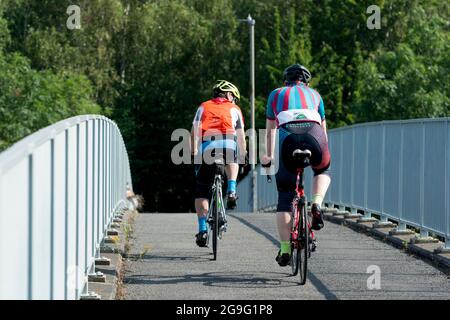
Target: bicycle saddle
(302,158)
(219,166)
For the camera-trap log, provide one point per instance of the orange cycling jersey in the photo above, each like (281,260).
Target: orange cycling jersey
(219,115)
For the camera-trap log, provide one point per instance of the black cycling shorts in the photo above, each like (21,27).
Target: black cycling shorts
(299,135)
(204,173)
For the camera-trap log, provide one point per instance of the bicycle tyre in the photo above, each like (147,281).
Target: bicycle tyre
(295,247)
(215,234)
(304,248)
(215,224)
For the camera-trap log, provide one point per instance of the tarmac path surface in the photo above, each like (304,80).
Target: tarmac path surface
(169,265)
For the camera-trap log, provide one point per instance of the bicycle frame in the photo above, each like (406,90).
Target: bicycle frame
(217,192)
(299,198)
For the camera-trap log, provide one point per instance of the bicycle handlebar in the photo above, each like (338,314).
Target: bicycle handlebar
(268,165)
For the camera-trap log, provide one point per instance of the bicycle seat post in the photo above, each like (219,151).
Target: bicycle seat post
(302,159)
(219,168)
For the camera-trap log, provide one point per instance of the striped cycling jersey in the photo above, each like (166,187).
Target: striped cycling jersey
(216,122)
(295,103)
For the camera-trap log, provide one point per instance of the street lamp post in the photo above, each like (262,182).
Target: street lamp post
(251,23)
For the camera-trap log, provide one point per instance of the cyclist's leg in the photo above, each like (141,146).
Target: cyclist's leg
(224,148)
(322,179)
(202,207)
(286,182)
(202,195)
(286,192)
(203,183)
(284,222)
(321,182)
(231,170)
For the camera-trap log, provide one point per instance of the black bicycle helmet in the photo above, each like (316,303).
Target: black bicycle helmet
(296,72)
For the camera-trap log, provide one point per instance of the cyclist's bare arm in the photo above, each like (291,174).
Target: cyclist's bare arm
(242,144)
(196,131)
(194,139)
(271,126)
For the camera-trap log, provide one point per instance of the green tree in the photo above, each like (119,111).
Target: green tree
(39,31)
(30,100)
(409,81)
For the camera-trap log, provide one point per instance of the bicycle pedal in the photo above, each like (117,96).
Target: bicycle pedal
(313,246)
(222,230)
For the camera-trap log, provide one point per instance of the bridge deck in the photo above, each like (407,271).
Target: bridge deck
(174,268)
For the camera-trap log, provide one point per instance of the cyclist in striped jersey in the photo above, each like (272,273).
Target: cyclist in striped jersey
(298,112)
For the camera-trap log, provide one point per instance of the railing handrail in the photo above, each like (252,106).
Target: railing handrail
(375,123)
(27,145)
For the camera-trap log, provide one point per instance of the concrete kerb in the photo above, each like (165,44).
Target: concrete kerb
(105,283)
(443,259)
(352,216)
(404,239)
(422,240)
(340,213)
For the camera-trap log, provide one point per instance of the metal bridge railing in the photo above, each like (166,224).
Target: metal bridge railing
(59,190)
(398,170)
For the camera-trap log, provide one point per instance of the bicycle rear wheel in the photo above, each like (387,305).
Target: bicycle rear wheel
(218,203)
(303,251)
(215,233)
(295,244)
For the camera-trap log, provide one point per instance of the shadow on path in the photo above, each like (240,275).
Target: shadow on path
(320,286)
(220,279)
(152,257)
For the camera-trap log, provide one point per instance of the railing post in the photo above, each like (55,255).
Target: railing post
(52,218)
(447,187)
(382,168)
(77,205)
(401,226)
(446,247)
(367,217)
(352,156)
(98,200)
(30,226)
(424,234)
(66,197)
(94,189)
(341,163)
(383,223)
(86,208)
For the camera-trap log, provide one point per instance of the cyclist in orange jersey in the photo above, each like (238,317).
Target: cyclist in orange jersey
(217,132)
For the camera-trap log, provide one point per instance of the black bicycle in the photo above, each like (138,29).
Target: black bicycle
(217,218)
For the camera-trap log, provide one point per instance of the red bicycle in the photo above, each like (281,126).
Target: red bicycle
(302,236)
